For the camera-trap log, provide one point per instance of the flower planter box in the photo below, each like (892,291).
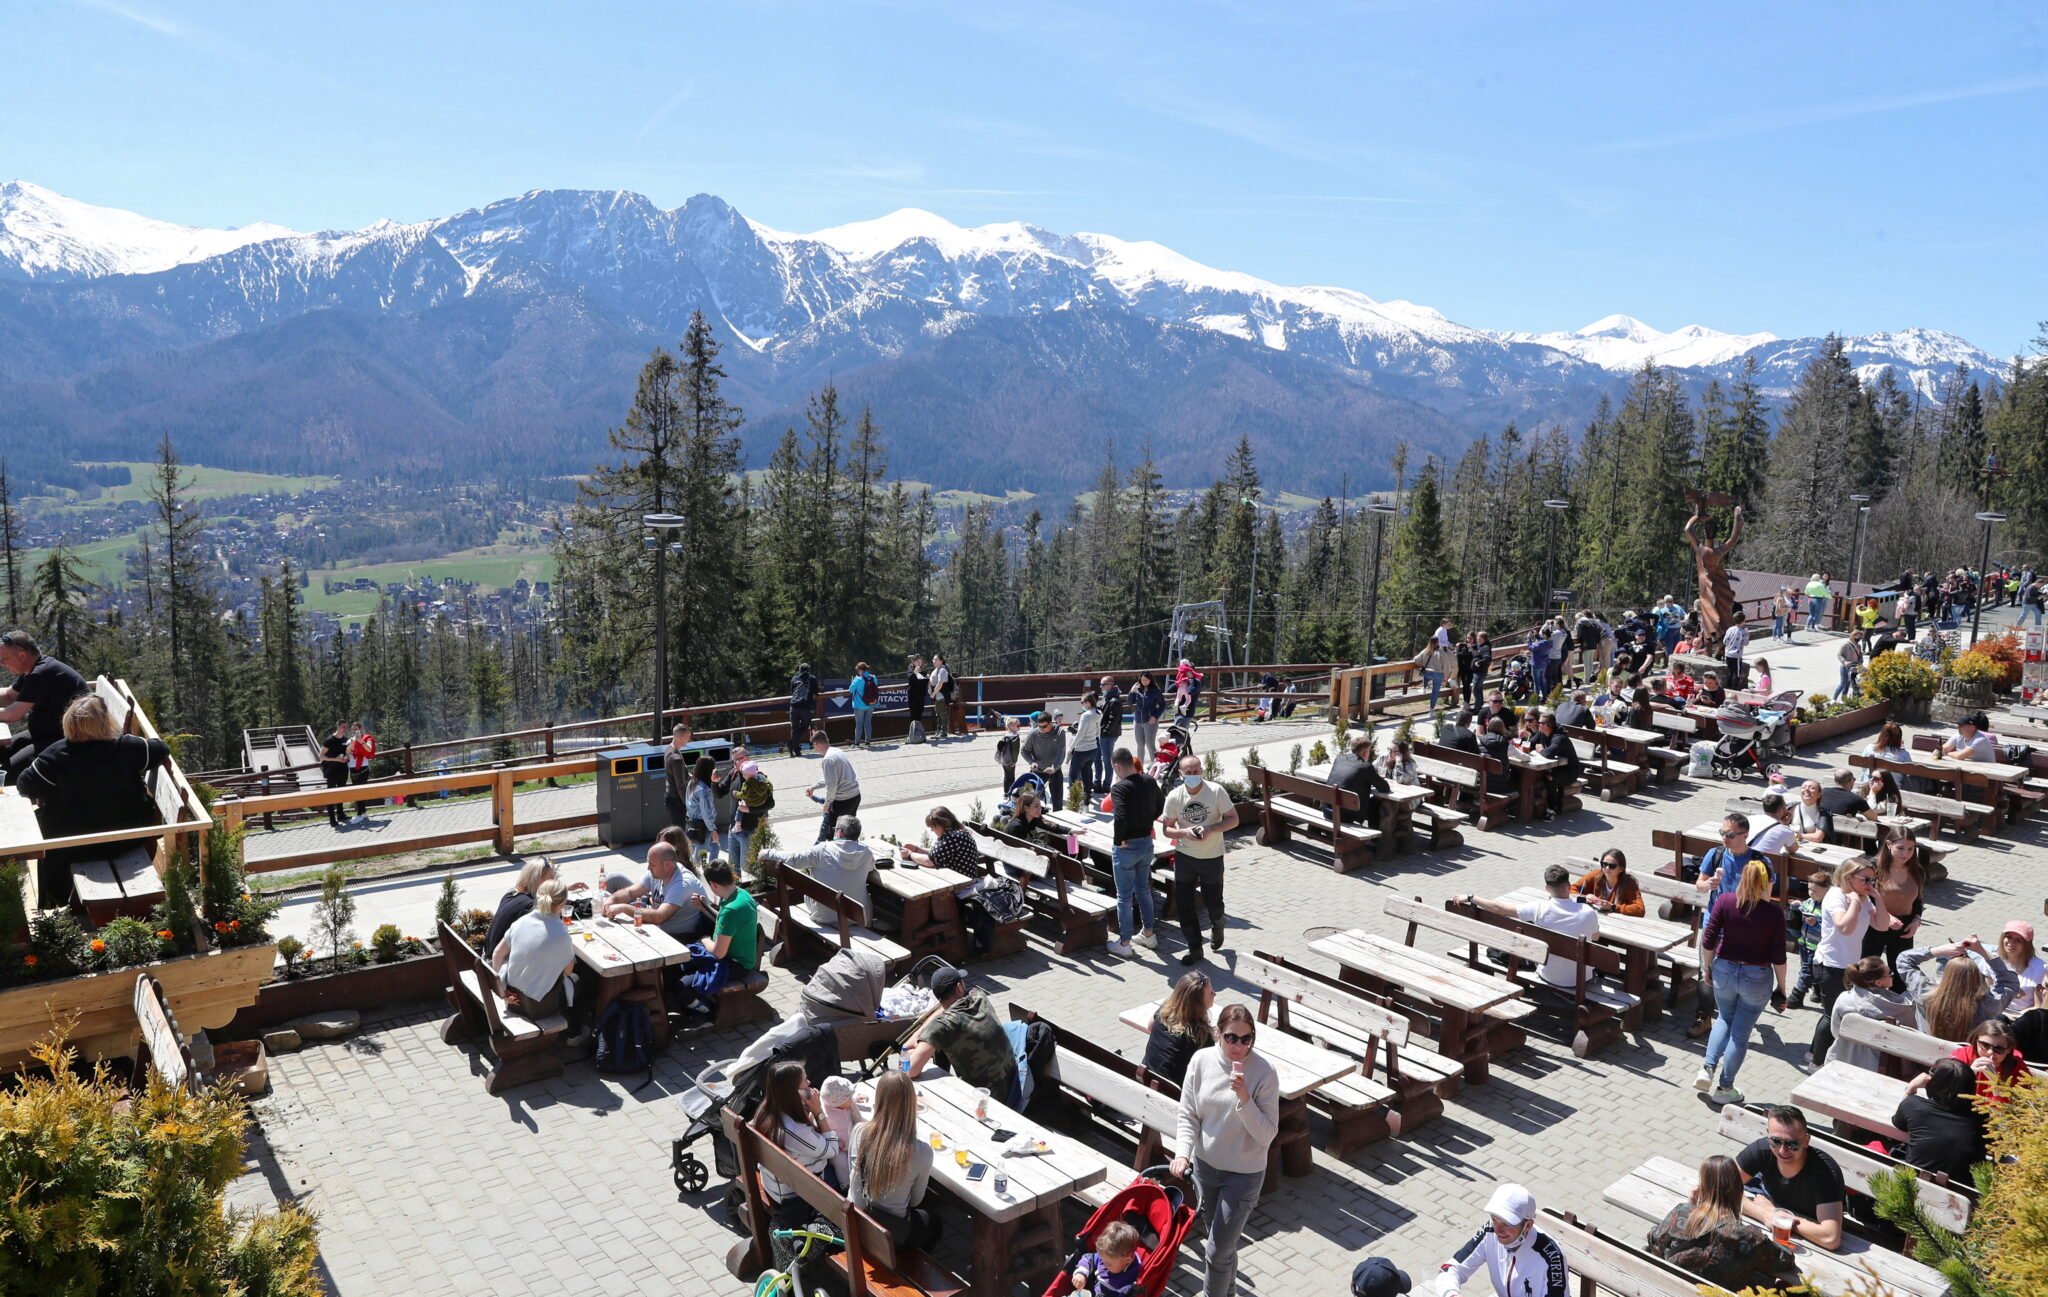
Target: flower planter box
(205,992)
(364,989)
(1807,733)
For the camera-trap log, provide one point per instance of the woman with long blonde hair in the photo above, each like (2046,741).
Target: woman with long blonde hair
(1707,1235)
(1743,953)
(892,1166)
(1972,985)
(1180,1027)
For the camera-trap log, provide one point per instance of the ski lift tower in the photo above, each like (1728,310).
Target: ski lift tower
(1190,622)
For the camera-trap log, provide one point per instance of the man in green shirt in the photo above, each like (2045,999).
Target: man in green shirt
(733,951)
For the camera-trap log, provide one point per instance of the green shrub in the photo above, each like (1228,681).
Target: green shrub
(1294,760)
(1977,668)
(1252,758)
(1318,755)
(110,1191)
(448,905)
(129,942)
(57,945)
(1898,676)
(1212,767)
(236,913)
(385,943)
(334,914)
(289,948)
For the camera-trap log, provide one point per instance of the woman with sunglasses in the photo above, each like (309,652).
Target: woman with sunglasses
(1609,889)
(1229,1116)
(1991,1055)
(1851,910)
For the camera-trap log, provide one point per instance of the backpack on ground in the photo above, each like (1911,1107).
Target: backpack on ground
(623,1037)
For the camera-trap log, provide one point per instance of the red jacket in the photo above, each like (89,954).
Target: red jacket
(361,749)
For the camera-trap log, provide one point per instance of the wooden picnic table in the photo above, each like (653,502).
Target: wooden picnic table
(19,828)
(1397,813)
(1654,1188)
(1534,767)
(1300,1067)
(1964,776)
(1463,994)
(1855,1096)
(627,957)
(1640,941)
(1028,1209)
(931,922)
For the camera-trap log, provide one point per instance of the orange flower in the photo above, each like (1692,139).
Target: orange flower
(30,960)
(98,947)
(235,924)
(164,933)
(220,927)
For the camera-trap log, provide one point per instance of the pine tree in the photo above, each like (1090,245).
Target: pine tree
(283,643)
(58,601)
(705,661)
(1420,580)
(1807,521)
(1960,415)
(2018,431)
(1653,432)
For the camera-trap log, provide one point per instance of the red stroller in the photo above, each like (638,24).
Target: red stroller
(1159,1214)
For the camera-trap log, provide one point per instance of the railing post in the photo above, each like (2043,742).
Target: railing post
(501,810)
(405,757)
(547,739)
(269,821)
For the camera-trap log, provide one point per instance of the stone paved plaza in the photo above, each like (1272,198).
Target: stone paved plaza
(425,1184)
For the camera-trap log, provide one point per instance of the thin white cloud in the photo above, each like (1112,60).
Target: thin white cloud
(161,26)
(675,101)
(1744,125)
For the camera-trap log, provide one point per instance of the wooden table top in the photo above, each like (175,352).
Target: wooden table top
(1408,794)
(18,827)
(911,883)
(1997,771)
(1300,1066)
(1654,935)
(1652,1189)
(1447,981)
(946,1106)
(1531,760)
(615,949)
(1629,734)
(1853,1094)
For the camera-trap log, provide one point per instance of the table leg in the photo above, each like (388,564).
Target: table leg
(1464,1040)
(1292,1146)
(1526,809)
(988,1261)
(1636,969)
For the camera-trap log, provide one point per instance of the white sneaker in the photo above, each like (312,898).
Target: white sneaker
(1121,948)
(1726,1094)
(1704,1081)
(1149,940)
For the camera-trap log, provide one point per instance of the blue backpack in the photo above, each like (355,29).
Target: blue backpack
(623,1036)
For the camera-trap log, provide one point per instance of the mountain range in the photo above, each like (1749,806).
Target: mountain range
(506,339)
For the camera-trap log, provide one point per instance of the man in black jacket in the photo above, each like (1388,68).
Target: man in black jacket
(1457,733)
(920,687)
(1134,804)
(1354,770)
(1575,711)
(43,687)
(1557,745)
(1497,706)
(803,702)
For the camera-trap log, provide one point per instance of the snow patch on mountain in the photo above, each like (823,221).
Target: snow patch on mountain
(44,235)
(1623,344)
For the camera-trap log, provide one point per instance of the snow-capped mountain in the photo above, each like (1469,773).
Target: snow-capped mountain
(44,235)
(1007,354)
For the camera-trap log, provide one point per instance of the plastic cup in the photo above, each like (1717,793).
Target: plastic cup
(1002,1182)
(981,1103)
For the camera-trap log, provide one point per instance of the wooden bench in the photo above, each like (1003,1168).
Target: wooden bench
(1906,1051)
(1601,764)
(2017,797)
(1100,1082)
(795,924)
(1460,779)
(1400,1084)
(1498,1028)
(525,1050)
(1947,1205)
(870,1264)
(1087,837)
(1606,1264)
(1600,1013)
(124,884)
(1289,802)
(1970,818)
(1052,888)
(1443,822)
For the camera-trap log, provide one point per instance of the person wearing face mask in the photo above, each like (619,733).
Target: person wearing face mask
(1197,815)
(1520,1260)
(1229,1117)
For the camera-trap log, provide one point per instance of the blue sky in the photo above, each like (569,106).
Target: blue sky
(1790,167)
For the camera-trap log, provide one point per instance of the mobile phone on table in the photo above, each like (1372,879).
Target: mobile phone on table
(978,1170)
(999,1136)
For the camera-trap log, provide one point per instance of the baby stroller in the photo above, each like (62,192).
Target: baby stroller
(1031,780)
(1159,1214)
(1179,742)
(1750,740)
(1519,679)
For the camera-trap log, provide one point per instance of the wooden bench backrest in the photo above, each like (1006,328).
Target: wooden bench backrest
(1477,762)
(1313,791)
(458,957)
(1612,1266)
(1915,1047)
(1946,1205)
(1418,915)
(794,884)
(1276,980)
(1586,951)
(1676,722)
(1101,1056)
(866,1241)
(117,706)
(1953,778)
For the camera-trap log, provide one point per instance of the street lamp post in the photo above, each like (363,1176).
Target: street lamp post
(1862,503)
(1379,511)
(1556,507)
(1990,518)
(658,525)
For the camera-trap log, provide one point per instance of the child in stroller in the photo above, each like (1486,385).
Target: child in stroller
(1519,679)
(1179,742)
(1146,1218)
(1753,739)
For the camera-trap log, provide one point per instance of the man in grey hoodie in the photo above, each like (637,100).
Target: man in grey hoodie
(1229,1117)
(844,864)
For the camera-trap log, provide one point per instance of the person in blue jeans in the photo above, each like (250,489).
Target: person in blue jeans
(1134,804)
(1742,948)
(861,692)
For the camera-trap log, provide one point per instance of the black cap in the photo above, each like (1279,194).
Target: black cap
(1378,1277)
(945,980)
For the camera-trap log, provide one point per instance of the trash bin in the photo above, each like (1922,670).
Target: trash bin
(632,784)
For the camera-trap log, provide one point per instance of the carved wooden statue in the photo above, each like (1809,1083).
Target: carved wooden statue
(1716,603)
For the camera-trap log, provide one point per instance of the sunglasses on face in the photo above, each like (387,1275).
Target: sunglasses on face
(1610,864)
(1994,1047)
(1787,1145)
(1235,1039)
(1731,833)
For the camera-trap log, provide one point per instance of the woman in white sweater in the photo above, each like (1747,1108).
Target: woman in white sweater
(1229,1116)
